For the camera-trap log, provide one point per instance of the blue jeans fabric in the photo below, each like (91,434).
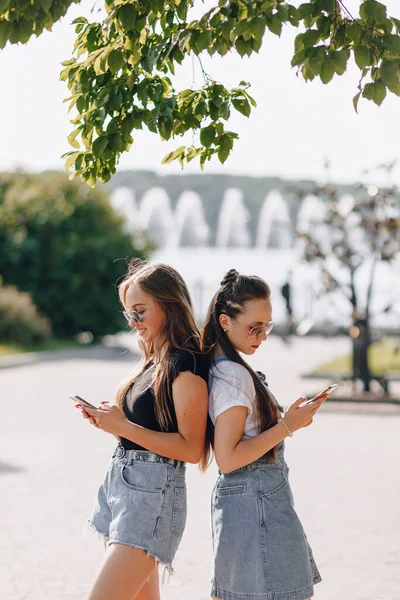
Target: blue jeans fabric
(142,503)
(260,549)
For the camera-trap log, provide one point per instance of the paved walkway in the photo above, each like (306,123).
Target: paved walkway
(344,473)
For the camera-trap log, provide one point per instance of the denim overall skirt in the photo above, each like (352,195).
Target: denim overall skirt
(260,549)
(142,503)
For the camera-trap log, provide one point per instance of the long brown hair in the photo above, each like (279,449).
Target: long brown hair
(179,330)
(235,290)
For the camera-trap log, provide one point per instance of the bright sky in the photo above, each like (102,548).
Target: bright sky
(295,126)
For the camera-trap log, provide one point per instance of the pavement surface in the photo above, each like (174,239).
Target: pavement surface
(344,475)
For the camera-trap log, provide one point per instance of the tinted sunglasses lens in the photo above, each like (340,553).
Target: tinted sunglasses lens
(132,316)
(136,317)
(255,332)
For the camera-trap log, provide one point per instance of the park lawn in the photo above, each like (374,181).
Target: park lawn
(50,346)
(382,355)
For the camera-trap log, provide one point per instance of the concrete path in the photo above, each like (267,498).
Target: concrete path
(344,474)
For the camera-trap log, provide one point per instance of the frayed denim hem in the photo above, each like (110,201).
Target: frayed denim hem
(302,594)
(167,569)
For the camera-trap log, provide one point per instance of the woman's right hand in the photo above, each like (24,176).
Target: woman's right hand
(297,416)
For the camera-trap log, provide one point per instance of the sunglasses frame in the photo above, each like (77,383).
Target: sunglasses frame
(267,328)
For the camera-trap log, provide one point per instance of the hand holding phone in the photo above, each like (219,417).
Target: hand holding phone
(328,390)
(81,401)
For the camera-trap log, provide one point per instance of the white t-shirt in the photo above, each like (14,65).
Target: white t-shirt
(230,384)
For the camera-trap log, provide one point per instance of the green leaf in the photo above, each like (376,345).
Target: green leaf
(71,160)
(339,59)
(99,145)
(299,42)
(116,142)
(310,37)
(226,142)
(207,136)
(243,106)
(306,10)
(4,33)
(115,61)
(223,155)
(102,98)
(294,16)
(127,15)
(327,70)
(243,47)
(72,138)
(355,101)
(226,29)
(46,5)
(257,27)
(324,26)
(396,23)
(315,64)
(201,108)
(224,110)
(375,92)
(4,5)
(392,43)
(379,93)
(326,5)
(204,40)
(298,58)
(353,32)
(371,9)
(362,56)
(389,71)
(274,24)
(173,155)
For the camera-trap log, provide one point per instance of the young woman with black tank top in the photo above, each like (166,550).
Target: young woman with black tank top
(160,419)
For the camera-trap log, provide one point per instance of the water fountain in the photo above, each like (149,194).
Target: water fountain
(274,227)
(233,221)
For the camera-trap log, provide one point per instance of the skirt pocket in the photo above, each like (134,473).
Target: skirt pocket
(231,490)
(146,477)
(179,511)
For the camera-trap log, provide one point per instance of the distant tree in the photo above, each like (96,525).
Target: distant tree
(366,233)
(121,75)
(59,241)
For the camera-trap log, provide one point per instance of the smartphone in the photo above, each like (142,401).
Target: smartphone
(331,388)
(80,400)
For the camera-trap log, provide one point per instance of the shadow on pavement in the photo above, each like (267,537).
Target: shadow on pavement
(118,353)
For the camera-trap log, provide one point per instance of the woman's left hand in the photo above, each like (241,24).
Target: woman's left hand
(107,417)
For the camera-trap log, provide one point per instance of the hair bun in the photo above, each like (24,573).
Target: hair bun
(230,277)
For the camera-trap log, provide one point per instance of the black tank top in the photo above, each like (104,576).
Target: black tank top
(139,402)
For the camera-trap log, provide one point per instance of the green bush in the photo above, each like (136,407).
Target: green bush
(59,241)
(20,322)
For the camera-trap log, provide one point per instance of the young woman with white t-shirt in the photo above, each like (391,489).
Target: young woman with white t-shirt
(260,548)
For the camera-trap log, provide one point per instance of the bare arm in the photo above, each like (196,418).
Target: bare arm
(190,397)
(231,452)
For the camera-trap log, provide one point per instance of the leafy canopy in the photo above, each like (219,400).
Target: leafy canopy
(120,76)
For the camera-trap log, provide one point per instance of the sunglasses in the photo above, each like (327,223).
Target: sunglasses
(255,332)
(132,315)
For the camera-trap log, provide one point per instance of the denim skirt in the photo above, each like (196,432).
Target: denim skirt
(260,548)
(142,503)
